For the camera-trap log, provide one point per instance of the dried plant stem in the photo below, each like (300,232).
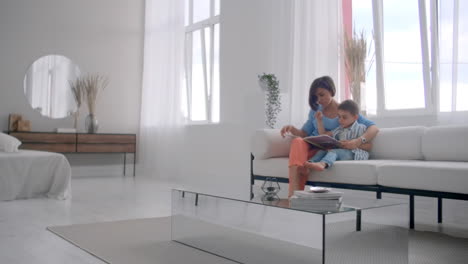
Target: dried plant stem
(355,57)
(88,88)
(77,87)
(93,85)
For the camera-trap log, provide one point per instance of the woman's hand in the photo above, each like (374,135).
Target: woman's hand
(351,144)
(289,129)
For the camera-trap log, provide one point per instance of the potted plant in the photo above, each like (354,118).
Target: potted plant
(88,88)
(77,87)
(270,84)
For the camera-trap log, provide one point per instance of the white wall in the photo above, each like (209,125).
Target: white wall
(216,158)
(104,36)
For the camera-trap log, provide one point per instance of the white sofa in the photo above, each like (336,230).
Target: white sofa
(418,161)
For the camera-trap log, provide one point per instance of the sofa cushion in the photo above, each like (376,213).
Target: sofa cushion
(274,167)
(353,172)
(446,143)
(442,176)
(349,171)
(402,143)
(268,143)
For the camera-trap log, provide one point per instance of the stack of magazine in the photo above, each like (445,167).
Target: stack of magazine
(325,200)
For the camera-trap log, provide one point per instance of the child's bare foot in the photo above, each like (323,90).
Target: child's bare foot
(318,166)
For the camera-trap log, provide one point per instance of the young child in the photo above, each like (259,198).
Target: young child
(348,113)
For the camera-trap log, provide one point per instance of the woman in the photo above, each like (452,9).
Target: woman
(321,93)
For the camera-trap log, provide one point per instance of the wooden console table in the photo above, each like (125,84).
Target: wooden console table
(79,143)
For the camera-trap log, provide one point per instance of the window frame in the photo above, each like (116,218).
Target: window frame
(190,29)
(427,69)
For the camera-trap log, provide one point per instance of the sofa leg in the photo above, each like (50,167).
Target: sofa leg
(252,179)
(378,195)
(439,210)
(411,211)
(358,220)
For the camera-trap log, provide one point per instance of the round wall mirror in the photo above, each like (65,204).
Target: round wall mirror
(47,86)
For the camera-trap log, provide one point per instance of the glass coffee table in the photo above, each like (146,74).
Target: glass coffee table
(362,230)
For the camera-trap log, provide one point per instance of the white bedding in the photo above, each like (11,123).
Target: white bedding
(29,173)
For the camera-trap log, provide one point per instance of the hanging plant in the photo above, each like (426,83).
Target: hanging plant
(270,84)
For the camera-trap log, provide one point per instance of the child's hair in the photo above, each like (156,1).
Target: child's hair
(349,106)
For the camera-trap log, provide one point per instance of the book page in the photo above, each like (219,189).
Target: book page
(323,142)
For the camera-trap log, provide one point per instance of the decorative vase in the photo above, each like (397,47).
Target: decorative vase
(91,124)
(359,95)
(363,104)
(75,121)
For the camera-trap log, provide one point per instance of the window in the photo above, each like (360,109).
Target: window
(420,66)
(201,61)
(362,21)
(402,58)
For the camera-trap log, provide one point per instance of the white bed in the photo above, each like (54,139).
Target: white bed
(29,174)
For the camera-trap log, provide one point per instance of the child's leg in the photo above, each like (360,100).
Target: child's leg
(315,162)
(318,156)
(343,154)
(316,166)
(337,154)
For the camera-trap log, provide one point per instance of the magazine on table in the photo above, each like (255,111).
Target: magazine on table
(315,204)
(321,195)
(320,141)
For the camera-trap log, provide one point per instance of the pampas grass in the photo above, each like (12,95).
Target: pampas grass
(93,85)
(77,87)
(77,91)
(355,62)
(88,88)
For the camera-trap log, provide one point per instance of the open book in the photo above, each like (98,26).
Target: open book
(321,141)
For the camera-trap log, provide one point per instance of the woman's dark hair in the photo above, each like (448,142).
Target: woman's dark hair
(325,82)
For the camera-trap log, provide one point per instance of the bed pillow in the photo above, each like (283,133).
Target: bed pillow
(8,143)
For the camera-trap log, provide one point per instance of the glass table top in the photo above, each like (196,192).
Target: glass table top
(349,203)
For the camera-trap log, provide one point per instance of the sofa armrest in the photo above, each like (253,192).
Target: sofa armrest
(268,143)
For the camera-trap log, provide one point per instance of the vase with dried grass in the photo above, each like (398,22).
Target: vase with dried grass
(93,85)
(355,64)
(77,87)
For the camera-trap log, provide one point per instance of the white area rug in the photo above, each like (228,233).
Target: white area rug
(138,241)
(149,241)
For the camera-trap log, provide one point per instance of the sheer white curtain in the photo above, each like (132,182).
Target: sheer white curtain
(453,55)
(317,45)
(161,121)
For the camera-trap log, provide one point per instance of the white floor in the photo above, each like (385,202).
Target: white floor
(23,234)
(24,238)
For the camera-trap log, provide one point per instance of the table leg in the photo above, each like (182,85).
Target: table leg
(134,163)
(323,239)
